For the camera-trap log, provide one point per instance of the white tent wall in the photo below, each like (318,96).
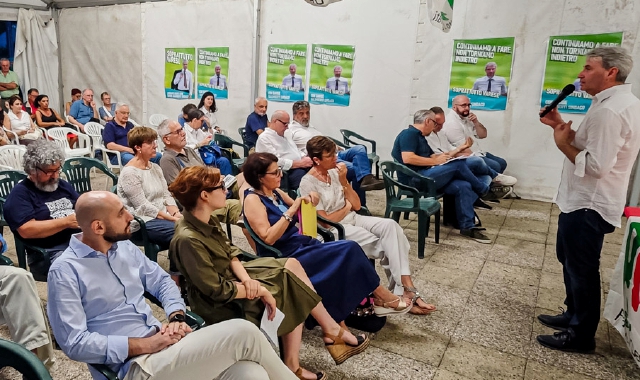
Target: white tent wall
(101,49)
(383,33)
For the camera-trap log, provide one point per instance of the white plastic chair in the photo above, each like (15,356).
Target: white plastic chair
(59,135)
(11,157)
(156,119)
(94,130)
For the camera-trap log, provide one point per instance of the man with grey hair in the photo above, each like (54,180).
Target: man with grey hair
(84,110)
(273,140)
(491,82)
(599,157)
(411,149)
(337,83)
(293,81)
(218,80)
(183,79)
(40,208)
(8,80)
(114,136)
(256,122)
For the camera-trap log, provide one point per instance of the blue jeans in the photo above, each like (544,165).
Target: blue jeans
(496,163)
(125,157)
(579,242)
(224,165)
(160,232)
(295,176)
(478,166)
(356,160)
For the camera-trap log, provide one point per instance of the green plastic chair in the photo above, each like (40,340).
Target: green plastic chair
(192,319)
(243,136)
(22,360)
(8,179)
(351,138)
(423,206)
(339,143)
(226,141)
(78,172)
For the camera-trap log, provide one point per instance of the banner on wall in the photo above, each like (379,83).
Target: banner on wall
(286,72)
(331,75)
(179,68)
(213,71)
(481,69)
(441,14)
(566,55)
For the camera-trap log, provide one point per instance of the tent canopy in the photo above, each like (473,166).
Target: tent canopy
(44,4)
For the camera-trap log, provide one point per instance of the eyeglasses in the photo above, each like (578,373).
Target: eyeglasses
(435,123)
(276,172)
(177,132)
(50,172)
(283,123)
(221,186)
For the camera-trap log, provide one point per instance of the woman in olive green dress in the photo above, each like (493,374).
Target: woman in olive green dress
(215,276)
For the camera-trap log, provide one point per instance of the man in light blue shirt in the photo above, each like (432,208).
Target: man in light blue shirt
(98,313)
(84,110)
(293,81)
(491,82)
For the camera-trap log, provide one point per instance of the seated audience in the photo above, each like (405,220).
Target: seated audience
(21,123)
(108,109)
(98,313)
(257,122)
(380,238)
(9,81)
(21,311)
(40,208)
(290,159)
(411,149)
(115,134)
(185,111)
(461,124)
(6,125)
(215,276)
(84,110)
(355,158)
(197,137)
(48,117)
(76,95)
(31,105)
(339,270)
(439,143)
(143,189)
(208,106)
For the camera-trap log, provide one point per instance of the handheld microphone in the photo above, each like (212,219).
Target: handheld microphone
(566,91)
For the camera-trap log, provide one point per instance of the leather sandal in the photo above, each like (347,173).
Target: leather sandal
(416,309)
(387,309)
(319,375)
(341,350)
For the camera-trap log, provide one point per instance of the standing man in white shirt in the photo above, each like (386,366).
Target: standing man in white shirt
(184,79)
(592,192)
(491,82)
(290,158)
(337,83)
(218,80)
(461,124)
(293,81)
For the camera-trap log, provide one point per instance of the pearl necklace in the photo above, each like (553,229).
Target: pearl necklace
(326,178)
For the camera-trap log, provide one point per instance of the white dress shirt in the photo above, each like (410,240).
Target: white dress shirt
(498,84)
(214,81)
(194,136)
(213,120)
(282,146)
(343,84)
(439,142)
(609,137)
(457,129)
(297,82)
(300,135)
(179,80)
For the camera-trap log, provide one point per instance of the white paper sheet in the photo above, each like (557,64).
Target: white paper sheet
(270,328)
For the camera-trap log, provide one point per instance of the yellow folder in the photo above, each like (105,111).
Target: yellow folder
(308,217)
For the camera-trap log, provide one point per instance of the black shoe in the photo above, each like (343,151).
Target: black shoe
(558,322)
(369,182)
(565,341)
(480,204)
(476,234)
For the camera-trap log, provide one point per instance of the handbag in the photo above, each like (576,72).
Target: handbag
(364,317)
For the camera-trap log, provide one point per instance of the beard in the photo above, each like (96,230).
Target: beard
(49,186)
(303,123)
(113,237)
(464,113)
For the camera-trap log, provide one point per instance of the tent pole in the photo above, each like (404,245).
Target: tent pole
(55,14)
(256,53)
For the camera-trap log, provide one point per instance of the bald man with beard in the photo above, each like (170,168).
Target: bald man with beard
(99,315)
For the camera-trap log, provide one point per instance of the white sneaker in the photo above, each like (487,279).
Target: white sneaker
(505,180)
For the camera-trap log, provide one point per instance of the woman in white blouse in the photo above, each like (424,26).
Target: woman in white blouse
(380,238)
(208,106)
(21,123)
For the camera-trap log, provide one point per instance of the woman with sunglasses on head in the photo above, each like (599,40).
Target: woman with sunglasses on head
(215,276)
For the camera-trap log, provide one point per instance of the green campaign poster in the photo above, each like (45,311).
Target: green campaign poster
(566,56)
(179,66)
(213,71)
(286,68)
(481,69)
(331,75)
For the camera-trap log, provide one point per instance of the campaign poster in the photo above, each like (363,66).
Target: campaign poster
(213,72)
(566,56)
(286,76)
(331,75)
(179,69)
(481,70)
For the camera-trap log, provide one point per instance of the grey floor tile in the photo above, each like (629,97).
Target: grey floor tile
(517,252)
(476,362)
(508,282)
(535,371)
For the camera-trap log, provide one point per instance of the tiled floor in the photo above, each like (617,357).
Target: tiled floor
(487,296)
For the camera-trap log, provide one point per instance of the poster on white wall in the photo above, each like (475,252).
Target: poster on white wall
(331,75)
(286,72)
(213,72)
(179,66)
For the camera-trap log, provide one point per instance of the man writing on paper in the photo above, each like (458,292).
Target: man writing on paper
(598,160)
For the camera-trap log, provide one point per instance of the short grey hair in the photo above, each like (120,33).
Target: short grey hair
(300,105)
(218,67)
(337,67)
(420,116)
(5,60)
(163,128)
(293,65)
(86,89)
(259,98)
(491,64)
(614,56)
(42,152)
(120,105)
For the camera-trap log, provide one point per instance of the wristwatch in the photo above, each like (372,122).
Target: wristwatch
(179,317)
